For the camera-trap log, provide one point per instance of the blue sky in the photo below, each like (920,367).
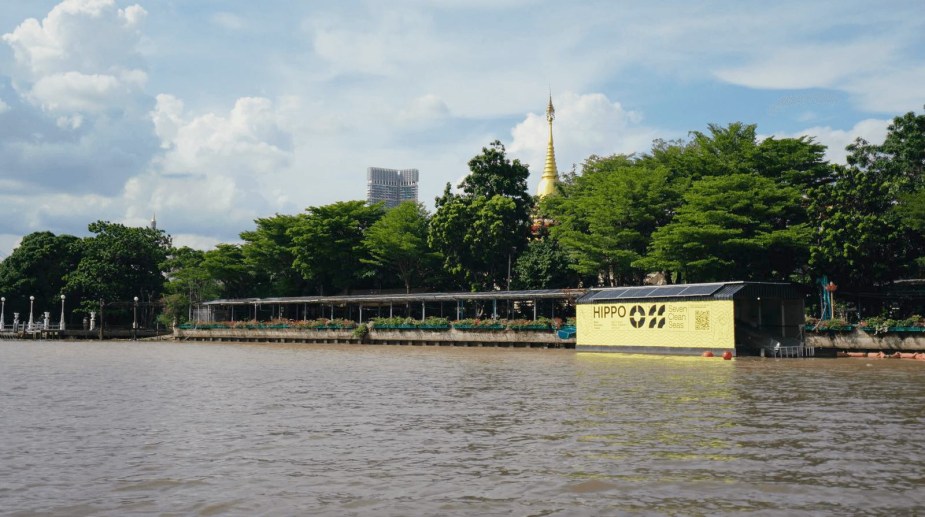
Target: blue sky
(212,113)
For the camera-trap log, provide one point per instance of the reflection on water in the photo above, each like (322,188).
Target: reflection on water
(199,429)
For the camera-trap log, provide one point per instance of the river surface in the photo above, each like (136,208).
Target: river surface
(164,428)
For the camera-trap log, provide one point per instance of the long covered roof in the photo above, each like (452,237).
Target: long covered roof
(383,299)
(679,292)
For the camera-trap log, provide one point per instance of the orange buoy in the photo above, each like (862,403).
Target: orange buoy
(727,355)
(708,354)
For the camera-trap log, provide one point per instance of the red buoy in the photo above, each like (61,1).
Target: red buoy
(727,355)
(708,354)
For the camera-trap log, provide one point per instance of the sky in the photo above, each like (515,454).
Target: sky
(212,113)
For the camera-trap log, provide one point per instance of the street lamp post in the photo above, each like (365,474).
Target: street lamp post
(31,301)
(2,312)
(135,320)
(61,325)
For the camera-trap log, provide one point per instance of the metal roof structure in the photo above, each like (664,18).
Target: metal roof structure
(385,299)
(682,292)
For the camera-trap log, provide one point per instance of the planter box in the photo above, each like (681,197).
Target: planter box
(533,328)
(410,327)
(480,327)
(875,330)
(842,328)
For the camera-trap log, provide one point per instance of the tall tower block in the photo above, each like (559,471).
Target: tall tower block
(550,173)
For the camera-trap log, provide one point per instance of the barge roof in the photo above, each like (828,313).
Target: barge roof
(694,292)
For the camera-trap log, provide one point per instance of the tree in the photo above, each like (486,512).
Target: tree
(188,283)
(544,265)
(723,152)
(607,216)
(859,241)
(904,149)
(227,265)
(868,216)
(268,252)
(119,263)
(38,267)
(796,162)
(736,227)
(479,230)
(398,243)
(492,174)
(327,244)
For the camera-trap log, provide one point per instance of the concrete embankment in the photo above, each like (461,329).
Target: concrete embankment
(449,337)
(861,341)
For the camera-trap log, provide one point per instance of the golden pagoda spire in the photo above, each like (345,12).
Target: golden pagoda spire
(550,173)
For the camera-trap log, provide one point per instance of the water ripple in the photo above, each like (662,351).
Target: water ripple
(202,429)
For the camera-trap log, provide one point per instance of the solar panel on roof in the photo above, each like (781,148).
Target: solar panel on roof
(670,290)
(641,292)
(701,290)
(626,293)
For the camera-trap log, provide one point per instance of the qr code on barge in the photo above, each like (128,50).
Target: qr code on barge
(701,320)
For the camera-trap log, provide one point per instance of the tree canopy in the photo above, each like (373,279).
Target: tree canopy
(327,244)
(39,267)
(398,243)
(119,263)
(483,228)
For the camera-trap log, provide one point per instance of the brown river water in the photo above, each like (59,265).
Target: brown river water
(162,428)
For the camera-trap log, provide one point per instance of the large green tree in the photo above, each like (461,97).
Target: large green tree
(119,263)
(485,226)
(39,267)
(544,265)
(268,253)
(227,265)
(188,283)
(866,216)
(397,243)
(735,227)
(327,244)
(605,218)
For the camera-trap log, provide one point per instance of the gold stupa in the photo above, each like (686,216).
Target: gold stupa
(547,184)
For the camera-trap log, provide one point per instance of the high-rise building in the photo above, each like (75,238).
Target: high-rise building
(391,186)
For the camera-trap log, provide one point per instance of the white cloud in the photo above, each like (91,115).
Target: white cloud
(249,140)
(217,171)
(806,66)
(424,110)
(382,44)
(4,107)
(584,125)
(880,71)
(57,212)
(229,21)
(198,242)
(872,130)
(896,91)
(80,57)
(76,92)
(9,242)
